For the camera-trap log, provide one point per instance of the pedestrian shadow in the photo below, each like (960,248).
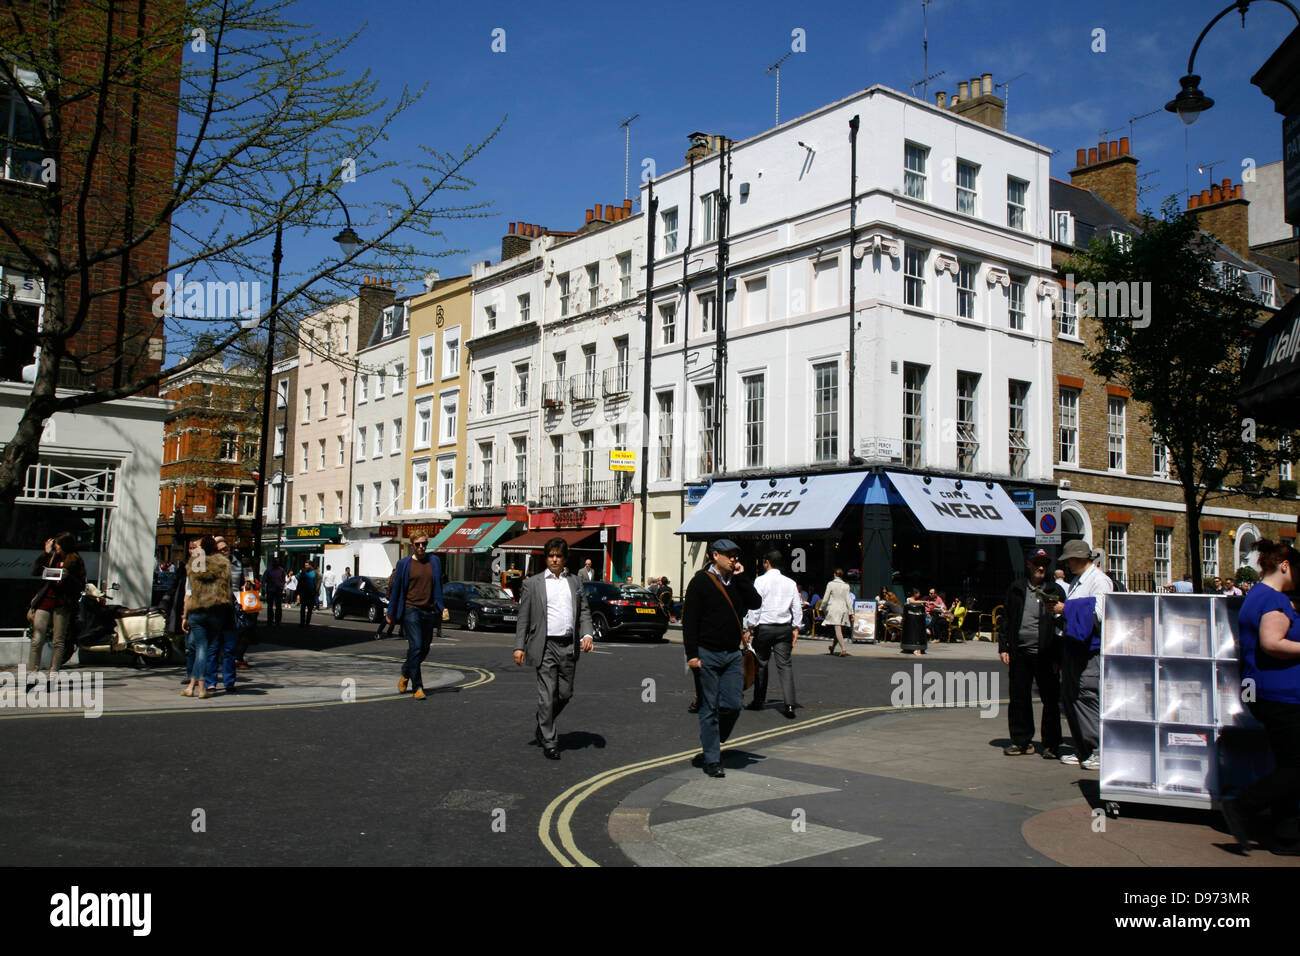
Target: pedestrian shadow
(733,759)
(580,740)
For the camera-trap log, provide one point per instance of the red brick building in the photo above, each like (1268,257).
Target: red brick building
(211,441)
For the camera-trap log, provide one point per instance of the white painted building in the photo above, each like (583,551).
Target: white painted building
(951,358)
(379,407)
(556,348)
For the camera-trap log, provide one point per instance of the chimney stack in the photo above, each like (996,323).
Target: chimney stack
(1223,212)
(1110,171)
(975,101)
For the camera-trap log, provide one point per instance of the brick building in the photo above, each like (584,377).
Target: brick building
(211,441)
(1115,482)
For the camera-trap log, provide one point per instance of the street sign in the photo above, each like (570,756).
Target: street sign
(604,536)
(1047,526)
(1023,498)
(695,493)
(622,460)
(879,447)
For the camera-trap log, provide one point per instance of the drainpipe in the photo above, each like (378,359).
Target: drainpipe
(686,326)
(651,215)
(853,238)
(720,315)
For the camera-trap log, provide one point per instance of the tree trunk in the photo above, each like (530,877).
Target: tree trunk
(1193,535)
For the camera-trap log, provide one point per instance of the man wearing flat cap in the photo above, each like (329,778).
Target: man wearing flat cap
(1027,644)
(714,605)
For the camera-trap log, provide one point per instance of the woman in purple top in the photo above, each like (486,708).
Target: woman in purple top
(1270,662)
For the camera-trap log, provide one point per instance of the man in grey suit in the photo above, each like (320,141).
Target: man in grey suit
(553,615)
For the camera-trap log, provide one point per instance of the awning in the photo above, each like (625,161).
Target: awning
(976,507)
(810,503)
(536,540)
(436,542)
(1270,384)
(471,535)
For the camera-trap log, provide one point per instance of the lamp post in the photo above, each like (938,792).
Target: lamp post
(349,242)
(1190,102)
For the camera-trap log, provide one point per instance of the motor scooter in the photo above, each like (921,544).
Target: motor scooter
(109,628)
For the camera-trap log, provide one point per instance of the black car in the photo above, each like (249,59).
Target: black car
(624,610)
(361,596)
(477,604)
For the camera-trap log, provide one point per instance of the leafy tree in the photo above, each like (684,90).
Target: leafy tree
(1180,349)
(257,125)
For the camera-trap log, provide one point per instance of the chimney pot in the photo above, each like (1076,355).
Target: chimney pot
(1103,151)
(1123,145)
(1114,148)
(974,86)
(986,83)
(512,229)
(1092,155)
(1080,158)
(589,215)
(1227,184)
(609,213)
(961,89)
(627,206)
(1237,190)
(1216,193)
(941,99)
(1193,201)
(1205,197)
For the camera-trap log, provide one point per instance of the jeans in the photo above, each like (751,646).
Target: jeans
(221,653)
(206,627)
(722,684)
(418,627)
(329,595)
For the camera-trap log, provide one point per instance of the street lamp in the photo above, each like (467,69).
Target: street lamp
(349,242)
(1190,102)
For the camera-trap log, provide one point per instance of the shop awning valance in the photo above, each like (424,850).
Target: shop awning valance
(536,540)
(976,507)
(807,503)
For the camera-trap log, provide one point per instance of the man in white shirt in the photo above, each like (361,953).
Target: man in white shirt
(331,581)
(775,629)
(1080,664)
(553,615)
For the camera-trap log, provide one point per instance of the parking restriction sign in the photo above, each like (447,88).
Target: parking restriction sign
(1047,527)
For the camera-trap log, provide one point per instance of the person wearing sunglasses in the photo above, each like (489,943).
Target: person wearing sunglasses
(415,599)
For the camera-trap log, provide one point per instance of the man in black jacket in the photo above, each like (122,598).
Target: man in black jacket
(714,605)
(1028,645)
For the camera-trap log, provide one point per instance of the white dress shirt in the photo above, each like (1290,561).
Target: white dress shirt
(559,605)
(781,604)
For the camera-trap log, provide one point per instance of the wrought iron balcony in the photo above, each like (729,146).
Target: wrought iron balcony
(617,380)
(610,492)
(553,392)
(479,496)
(582,387)
(514,492)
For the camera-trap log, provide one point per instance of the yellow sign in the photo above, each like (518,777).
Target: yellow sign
(622,460)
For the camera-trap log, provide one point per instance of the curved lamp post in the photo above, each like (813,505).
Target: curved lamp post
(1190,101)
(349,242)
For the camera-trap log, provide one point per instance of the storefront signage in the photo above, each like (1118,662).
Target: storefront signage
(570,517)
(864,621)
(517,513)
(1024,499)
(754,506)
(622,460)
(1291,167)
(313,531)
(964,507)
(429,528)
(387,531)
(695,493)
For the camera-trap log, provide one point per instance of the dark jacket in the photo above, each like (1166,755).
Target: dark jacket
(707,617)
(1013,609)
(66,591)
(401,579)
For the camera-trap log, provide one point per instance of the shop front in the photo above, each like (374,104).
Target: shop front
(883,529)
(465,545)
(602,534)
(299,544)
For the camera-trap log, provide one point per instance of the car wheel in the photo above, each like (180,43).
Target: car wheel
(337,610)
(599,626)
(471,621)
(372,614)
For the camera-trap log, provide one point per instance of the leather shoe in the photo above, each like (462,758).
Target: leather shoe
(552,753)
(787,711)
(419,694)
(693,707)
(401,685)
(714,770)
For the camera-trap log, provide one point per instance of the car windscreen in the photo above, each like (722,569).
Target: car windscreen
(635,594)
(490,591)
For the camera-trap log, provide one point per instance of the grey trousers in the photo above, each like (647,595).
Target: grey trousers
(1080,682)
(554,687)
(53,626)
(774,641)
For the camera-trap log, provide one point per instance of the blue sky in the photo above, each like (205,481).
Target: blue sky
(570,73)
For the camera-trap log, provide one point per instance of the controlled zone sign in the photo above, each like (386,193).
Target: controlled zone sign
(1047,522)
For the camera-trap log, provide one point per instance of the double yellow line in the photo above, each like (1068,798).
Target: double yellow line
(562,808)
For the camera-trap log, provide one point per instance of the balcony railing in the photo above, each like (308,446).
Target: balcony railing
(553,392)
(479,496)
(610,492)
(488,400)
(617,380)
(514,492)
(582,387)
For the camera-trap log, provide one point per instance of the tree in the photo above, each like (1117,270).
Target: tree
(154,138)
(1175,331)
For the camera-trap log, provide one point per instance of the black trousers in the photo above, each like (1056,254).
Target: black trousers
(1026,670)
(1280,790)
(305,608)
(274,606)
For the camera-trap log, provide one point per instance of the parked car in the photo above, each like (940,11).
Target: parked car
(624,610)
(479,604)
(361,596)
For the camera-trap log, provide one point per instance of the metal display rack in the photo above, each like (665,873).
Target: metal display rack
(1174,729)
